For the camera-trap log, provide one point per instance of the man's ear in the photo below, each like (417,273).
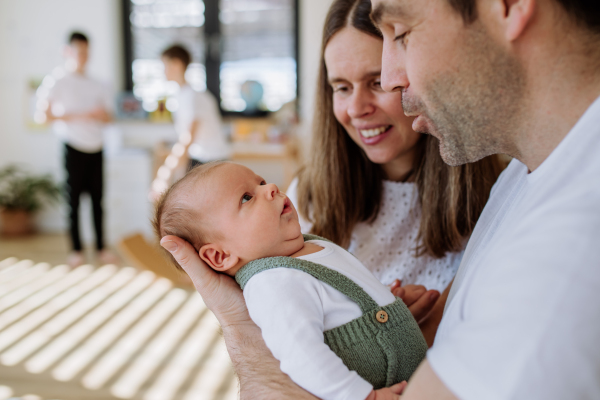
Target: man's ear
(217,258)
(517,14)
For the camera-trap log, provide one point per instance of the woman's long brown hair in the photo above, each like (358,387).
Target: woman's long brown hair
(340,186)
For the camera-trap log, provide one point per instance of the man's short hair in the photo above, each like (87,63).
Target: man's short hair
(77,37)
(585,12)
(178,52)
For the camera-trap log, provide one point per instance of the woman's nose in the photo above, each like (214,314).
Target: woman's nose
(272,190)
(361,104)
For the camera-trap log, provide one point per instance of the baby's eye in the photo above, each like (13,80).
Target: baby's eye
(263,183)
(246,198)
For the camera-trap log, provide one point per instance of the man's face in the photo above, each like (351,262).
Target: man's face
(253,219)
(462,86)
(174,68)
(78,54)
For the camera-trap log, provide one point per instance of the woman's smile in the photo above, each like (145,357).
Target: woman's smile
(374,136)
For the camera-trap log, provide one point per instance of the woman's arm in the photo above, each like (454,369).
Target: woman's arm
(258,371)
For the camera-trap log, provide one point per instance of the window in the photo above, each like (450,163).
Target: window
(244,51)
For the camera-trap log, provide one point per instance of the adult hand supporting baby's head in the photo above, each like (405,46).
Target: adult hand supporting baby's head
(221,294)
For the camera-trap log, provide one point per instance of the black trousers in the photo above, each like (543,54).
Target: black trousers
(84,174)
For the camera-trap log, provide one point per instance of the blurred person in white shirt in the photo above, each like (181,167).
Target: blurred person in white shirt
(198,124)
(79,108)
(197,112)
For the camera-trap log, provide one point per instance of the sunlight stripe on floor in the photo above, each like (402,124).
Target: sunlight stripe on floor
(145,363)
(105,336)
(5,392)
(42,281)
(41,298)
(212,375)
(62,295)
(233,393)
(190,351)
(128,331)
(7,286)
(26,320)
(16,270)
(91,319)
(7,263)
(124,349)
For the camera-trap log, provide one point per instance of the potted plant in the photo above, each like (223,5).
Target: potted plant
(21,195)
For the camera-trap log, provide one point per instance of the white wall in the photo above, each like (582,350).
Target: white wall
(312,17)
(32,36)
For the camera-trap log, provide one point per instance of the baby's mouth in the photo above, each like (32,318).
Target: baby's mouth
(287,206)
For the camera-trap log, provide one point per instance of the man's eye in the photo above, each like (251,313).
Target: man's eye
(401,38)
(246,198)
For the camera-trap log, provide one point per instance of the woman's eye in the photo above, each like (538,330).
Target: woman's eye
(340,89)
(246,198)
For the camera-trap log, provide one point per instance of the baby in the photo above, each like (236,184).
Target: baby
(336,330)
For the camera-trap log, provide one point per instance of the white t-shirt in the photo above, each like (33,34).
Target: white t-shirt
(523,317)
(387,245)
(293,309)
(209,143)
(78,94)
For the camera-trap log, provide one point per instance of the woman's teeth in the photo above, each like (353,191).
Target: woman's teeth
(369,133)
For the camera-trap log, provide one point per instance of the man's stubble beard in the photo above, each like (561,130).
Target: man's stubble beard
(474,110)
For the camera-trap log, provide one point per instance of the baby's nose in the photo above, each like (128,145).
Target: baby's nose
(272,190)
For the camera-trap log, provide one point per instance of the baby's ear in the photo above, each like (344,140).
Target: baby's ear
(217,258)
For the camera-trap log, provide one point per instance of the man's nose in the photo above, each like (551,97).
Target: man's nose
(393,68)
(272,190)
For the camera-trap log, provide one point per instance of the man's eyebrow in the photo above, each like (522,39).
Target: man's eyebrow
(395,10)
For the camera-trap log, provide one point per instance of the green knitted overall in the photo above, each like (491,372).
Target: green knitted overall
(384,346)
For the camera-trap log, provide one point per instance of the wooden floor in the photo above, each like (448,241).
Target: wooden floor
(103,332)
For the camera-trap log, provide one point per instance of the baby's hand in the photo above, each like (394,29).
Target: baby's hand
(391,393)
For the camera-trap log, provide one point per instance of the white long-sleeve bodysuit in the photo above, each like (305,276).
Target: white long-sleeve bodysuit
(293,309)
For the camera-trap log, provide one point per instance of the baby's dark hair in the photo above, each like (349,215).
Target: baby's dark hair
(174,216)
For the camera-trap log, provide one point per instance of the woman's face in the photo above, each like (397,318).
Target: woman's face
(373,118)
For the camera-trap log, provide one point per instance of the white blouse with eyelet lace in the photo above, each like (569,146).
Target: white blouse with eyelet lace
(387,245)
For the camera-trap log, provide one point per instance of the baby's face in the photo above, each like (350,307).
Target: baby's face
(251,218)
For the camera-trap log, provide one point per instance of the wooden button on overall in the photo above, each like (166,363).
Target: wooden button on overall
(382,316)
